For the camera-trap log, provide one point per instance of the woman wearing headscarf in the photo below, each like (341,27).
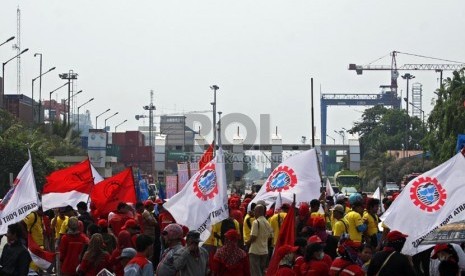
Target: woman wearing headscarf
(314,264)
(349,263)
(95,259)
(230,259)
(71,246)
(124,241)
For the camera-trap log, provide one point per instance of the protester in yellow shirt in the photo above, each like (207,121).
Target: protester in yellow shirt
(277,220)
(356,225)
(247,225)
(341,225)
(371,217)
(58,221)
(34,225)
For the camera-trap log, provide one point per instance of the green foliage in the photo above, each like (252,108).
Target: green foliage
(447,119)
(16,139)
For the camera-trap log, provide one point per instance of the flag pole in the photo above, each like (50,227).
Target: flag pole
(93,180)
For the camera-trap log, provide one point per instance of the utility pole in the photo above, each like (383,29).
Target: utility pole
(214,88)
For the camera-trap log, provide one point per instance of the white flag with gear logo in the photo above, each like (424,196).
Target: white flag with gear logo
(297,175)
(203,200)
(433,199)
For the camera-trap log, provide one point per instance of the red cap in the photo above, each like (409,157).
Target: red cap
(438,248)
(148,202)
(130,223)
(395,235)
(314,239)
(319,222)
(102,223)
(286,249)
(158,201)
(232,235)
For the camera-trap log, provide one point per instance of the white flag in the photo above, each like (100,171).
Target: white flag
(203,200)
(297,175)
(377,195)
(433,199)
(329,188)
(20,200)
(97,177)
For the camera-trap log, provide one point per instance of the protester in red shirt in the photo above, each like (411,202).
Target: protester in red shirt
(71,246)
(133,229)
(230,259)
(95,259)
(314,264)
(348,264)
(124,241)
(117,219)
(286,254)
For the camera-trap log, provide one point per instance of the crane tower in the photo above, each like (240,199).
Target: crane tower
(17,47)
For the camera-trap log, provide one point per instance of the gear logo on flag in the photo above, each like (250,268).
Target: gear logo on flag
(205,186)
(281,179)
(428,194)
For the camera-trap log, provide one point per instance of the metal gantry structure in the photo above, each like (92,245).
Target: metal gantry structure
(17,47)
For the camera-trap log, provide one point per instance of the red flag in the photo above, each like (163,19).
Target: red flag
(206,157)
(68,186)
(286,237)
(43,259)
(111,191)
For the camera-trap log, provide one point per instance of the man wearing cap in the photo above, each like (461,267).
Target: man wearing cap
(172,236)
(354,218)
(341,225)
(126,255)
(191,260)
(446,252)
(133,228)
(390,261)
(71,246)
(119,218)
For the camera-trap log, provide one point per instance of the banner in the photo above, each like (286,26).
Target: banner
(97,147)
(183,175)
(171,185)
(203,200)
(297,175)
(433,199)
(20,200)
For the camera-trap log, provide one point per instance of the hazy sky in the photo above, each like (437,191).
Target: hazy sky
(261,54)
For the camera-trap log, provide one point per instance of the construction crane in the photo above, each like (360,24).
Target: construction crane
(183,113)
(454,65)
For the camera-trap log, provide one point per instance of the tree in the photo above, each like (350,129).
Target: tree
(447,119)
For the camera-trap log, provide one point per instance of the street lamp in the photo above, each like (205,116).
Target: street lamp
(407,77)
(96,117)
(70,77)
(3,75)
(50,101)
(79,107)
(120,124)
(214,88)
(341,133)
(334,140)
(8,40)
(109,118)
(32,89)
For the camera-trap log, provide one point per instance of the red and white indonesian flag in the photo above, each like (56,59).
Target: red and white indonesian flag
(203,200)
(20,200)
(68,186)
(43,259)
(297,175)
(433,199)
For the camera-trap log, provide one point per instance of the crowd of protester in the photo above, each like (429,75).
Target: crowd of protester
(337,235)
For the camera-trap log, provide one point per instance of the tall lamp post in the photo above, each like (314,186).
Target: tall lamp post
(50,101)
(70,77)
(32,89)
(334,140)
(79,107)
(8,40)
(214,88)
(3,75)
(71,99)
(407,77)
(96,117)
(109,118)
(120,124)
